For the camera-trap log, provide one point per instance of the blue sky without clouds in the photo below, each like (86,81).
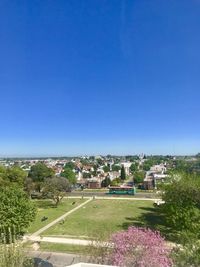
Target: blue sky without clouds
(99,77)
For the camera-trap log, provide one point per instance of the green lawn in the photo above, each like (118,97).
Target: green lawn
(66,248)
(47,208)
(101,217)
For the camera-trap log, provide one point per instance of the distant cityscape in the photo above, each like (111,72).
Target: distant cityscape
(91,171)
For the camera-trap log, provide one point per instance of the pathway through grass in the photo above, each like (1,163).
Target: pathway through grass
(101,217)
(46,208)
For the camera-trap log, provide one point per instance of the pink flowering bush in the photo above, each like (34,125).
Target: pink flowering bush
(139,247)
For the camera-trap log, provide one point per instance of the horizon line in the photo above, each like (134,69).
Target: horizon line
(92,155)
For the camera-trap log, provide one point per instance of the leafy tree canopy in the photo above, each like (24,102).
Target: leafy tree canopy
(134,167)
(116,182)
(16,175)
(182,165)
(70,165)
(86,175)
(132,158)
(116,168)
(70,175)
(55,188)
(139,177)
(153,160)
(12,175)
(40,171)
(106,168)
(123,173)
(182,203)
(16,209)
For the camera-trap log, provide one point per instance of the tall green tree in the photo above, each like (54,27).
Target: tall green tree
(134,167)
(123,173)
(39,172)
(70,175)
(16,211)
(12,175)
(16,175)
(182,204)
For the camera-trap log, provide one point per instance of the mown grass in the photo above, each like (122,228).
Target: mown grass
(48,209)
(66,248)
(103,217)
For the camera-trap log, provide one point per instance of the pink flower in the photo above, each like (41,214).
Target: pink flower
(140,247)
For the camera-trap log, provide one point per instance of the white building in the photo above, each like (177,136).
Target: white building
(127,166)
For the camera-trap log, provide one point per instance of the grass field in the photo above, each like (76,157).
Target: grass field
(47,208)
(102,217)
(75,249)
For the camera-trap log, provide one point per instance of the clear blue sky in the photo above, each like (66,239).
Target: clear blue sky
(99,77)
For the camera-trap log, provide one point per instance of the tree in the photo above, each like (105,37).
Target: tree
(134,167)
(182,204)
(70,175)
(106,168)
(16,211)
(135,247)
(70,165)
(139,247)
(39,172)
(116,168)
(55,188)
(131,158)
(147,165)
(16,175)
(29,186)
(86,175)
(3,176)
(139,177)
(106,182)
(153,160)
(187,166)
(100,161)
(123,173)
(115,182)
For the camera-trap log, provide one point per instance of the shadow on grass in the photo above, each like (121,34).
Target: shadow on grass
(151,218)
